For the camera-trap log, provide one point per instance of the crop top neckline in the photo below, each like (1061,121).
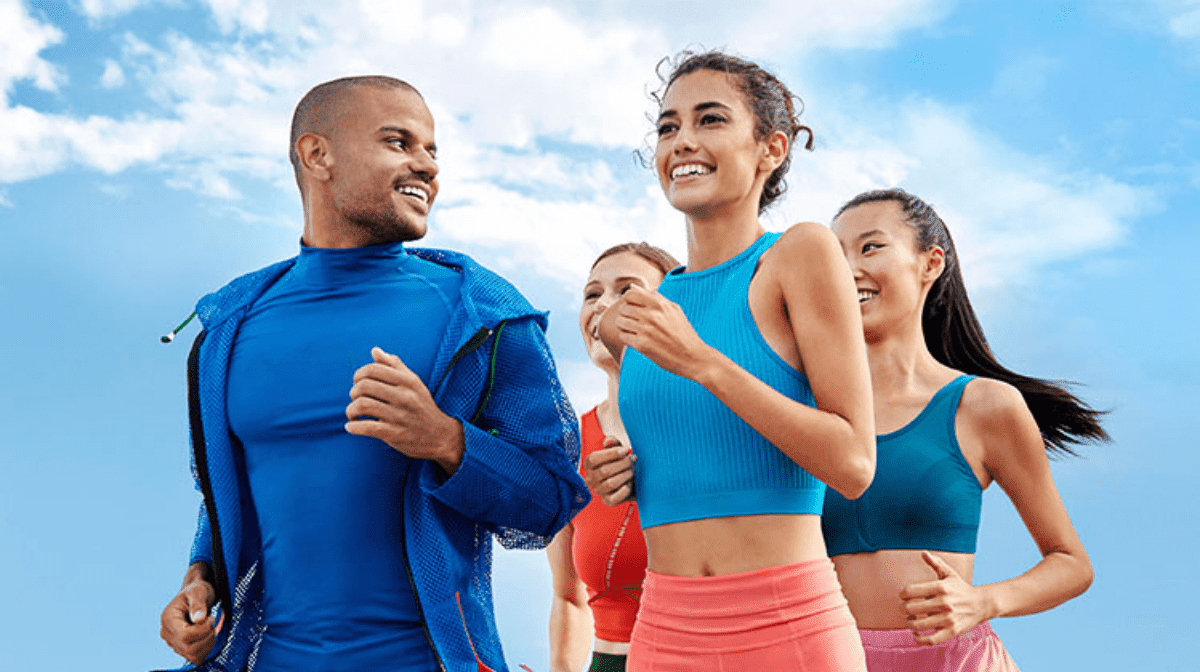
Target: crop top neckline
(680,273)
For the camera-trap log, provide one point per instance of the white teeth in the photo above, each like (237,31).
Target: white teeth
(690,169)
(415,191)
(865,295)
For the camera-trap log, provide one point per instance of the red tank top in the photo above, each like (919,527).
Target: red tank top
(609,553)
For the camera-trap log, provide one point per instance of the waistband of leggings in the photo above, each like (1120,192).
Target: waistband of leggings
(811,584)
(903,638)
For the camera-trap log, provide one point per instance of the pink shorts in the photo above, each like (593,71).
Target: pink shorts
(780,618)
(976,650)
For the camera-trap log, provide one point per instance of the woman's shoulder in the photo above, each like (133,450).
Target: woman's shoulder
(990,404)
(804,246)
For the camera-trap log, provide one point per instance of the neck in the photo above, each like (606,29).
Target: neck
(324,227)
(900,361)
(714,239)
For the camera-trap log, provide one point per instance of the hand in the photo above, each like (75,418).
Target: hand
(390,403)
(609,472)
(656,327)
(942,609)
(187,624)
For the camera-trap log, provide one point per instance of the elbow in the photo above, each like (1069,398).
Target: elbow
(1086,576)
(856,476)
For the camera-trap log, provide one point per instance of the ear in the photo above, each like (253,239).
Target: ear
(935,264)
(775,149)
(316,163)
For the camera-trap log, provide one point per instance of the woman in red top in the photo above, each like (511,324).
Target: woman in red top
(599,560)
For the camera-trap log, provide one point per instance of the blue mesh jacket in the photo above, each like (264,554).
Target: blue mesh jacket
(518,479)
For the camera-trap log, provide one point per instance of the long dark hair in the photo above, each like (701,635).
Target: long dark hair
(775,107)
(955,338)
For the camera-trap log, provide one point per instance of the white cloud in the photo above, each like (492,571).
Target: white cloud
(1010,212)
(108,9)
(511,74)
(113,76)
(505,83)
(789,27)
(24,39)
(1182,17)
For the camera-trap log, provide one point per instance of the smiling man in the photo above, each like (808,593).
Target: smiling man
(364,417)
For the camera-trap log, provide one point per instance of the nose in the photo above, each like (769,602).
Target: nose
(424,165)
(684,142)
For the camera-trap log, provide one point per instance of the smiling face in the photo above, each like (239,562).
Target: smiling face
(384,173)
(893,277)
(707,157)
(609,279)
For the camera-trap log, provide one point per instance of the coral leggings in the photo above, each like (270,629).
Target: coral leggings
(780,618)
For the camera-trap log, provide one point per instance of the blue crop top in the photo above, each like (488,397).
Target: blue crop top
(924,496)
(696,458)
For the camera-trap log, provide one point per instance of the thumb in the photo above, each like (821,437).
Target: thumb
(197,607)
(940,567)
(384,357)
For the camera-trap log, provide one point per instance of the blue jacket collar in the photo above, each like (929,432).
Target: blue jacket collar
(490,298)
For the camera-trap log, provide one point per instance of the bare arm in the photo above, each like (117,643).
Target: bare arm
(994,413)
(835,441)
(570,615)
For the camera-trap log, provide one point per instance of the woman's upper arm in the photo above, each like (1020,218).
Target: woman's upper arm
(1014,455)
(567,584)
(822,309)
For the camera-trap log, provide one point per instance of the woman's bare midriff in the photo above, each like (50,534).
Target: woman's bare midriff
(720,546)
(872,582)
(611,648)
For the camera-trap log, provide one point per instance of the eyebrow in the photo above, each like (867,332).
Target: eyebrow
(623,278)
(407,135)
(868,234)
(700,107)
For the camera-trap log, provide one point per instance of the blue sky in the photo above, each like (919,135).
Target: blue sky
(143,163)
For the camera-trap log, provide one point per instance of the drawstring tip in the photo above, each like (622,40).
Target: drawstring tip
(171,336)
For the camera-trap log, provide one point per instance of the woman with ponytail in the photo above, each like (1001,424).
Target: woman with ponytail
(952,420)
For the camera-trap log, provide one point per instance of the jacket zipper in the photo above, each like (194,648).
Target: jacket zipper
(220,581)
(412,582)
(472,344)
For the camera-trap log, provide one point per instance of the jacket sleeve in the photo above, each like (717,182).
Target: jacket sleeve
(519,469)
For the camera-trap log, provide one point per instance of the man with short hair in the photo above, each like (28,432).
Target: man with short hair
(364,418)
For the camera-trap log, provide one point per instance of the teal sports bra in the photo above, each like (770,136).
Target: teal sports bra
(924,496)
(696,458)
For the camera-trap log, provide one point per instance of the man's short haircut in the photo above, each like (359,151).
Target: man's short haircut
(319,109)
